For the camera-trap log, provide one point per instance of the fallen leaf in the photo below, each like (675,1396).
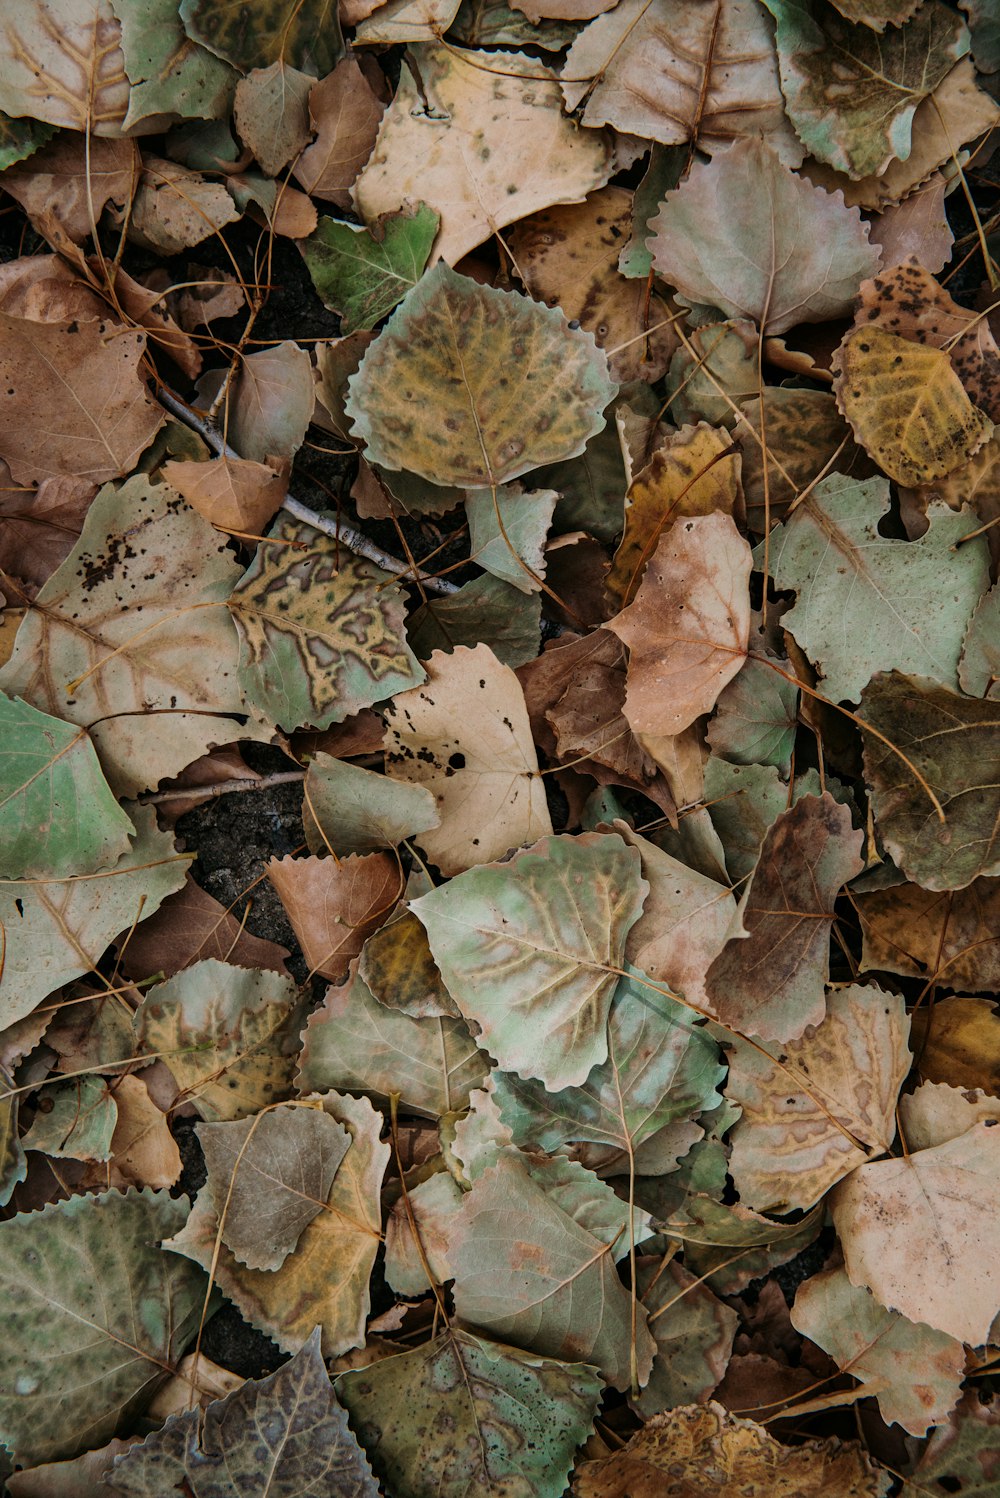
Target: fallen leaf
(743,802)
(40,526)
(451,141)
(430,1208)
(934,1113)
(507,532)
(344,112)
(958,1041)
(363,273)
(805,434)
(407,21)
(270,403)
(301,33)
(925,933)
(63,64)
(397,966)
(83,1477)
(979,667)
(188,926)
(484,610)
(231,493)
(352,810)
(79,1123)
(962,1455)
(916,227)
(334,904)
(143,1150)
(74,180)
(693,1332)
(174,208)
(756,716)
(170,75)
(271,114)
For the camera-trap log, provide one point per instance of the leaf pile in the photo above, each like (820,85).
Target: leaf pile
(619,1112)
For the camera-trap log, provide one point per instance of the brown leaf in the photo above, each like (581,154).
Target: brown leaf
(772,983)
(143,1150)
(916,226)
(804,433)
(958,1042)
(345,113)
(74,180)
(334,904)
(235,494)
(689,627)
(951,937)
(175,208)
(39,527)
(188,926)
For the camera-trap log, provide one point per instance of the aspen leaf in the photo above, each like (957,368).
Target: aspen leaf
(921,933)
(334,904)
(344,112)
(959,1043)
(62,63)
(352,810)
(303,33)
(363,273)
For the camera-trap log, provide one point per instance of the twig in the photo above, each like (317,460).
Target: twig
(223,788)
(346,534)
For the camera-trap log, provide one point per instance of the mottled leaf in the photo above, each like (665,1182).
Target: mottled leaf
(805,435)
(693,1332)
(923,933)
(963,1455)
(171,76)
(363,273)
(75,1120)
(397,966)
(302,33)
(485,610)
(62,63)
(507,532)
(352,810)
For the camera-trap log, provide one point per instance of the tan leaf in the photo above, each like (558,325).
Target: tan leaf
(234,494)
(701,1451)
(74,180)
(916,226)
(143,1150)
(822,1105)
(958,1042)
(946,1200)
(188,926)
(569,255)
(689,627)
(175,208)
(345,114)
(334,904)
(407,21)
(72,401)
(703,71)
(695,472)
(906,405)
(562,10)
(270,112)
(147,308)
(453,143)
(951,937)
(935,1113)
(465,735)
(63,63)
(213,293)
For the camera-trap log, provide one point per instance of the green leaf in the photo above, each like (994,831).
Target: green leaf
(462,1417)
(54,930)
(694,1334)
(352,810)
(979,668)
(224,1033)
(756,717)
(471,386)
(13,1161)
(485,611)
(217,1452)
(743,801)
(963,1455)
(170,75)
(953,743)
(666,164)
(660,1068)
(94,1315)
(353,1043)
(322,634)
(851,94)
(20,139)
(363,273)
(75,1120)
(507,533)
(57,813)
(529,950)
(885,604)
(252,33)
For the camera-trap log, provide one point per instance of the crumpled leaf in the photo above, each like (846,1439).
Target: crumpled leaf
(303,33)
(287,1430)
(223,1033)
(886,604)
(822,1105)
(529,950)
(57,814)
(744,233)
(537,1265)
(850,93)
(953,742)
(425,396)
(694,1334)
(475,756)
(450,141)
(75,1357)
(55,930)
(690,70)
(137,612)
(354,1043)
(422,1415)
(363,273)
(771,983)
(62,63)
(324,1281)
(171,77)
(352,810)
(334,904)
(689,627)
(705,1452)
(175,208)
(321,637)
(944,1199)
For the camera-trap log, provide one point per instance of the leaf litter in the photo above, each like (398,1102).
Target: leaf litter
(552,527)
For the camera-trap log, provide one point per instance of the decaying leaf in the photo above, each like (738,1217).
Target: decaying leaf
(302,33)
(351,810)
(334,904)
(345,113)
(693,1331)
(234,494)
(958,1041)
(951,936)
(805,436)
(63,64)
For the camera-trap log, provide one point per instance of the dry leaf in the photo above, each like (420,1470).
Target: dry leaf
(175,208)
(234,494)
(958,1041)
(143,1150)
(334,904)
(918,226)
(934,1113)
(62,62)
(345,113)
(188,926)
(951,937)
(74,182)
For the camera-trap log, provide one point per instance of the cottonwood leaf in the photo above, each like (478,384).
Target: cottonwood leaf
(20,139)
(321,635)
(174,208)
(62,63)
(806,435)
(756,716)
(851,94)
(507,532)
(303,33)
(269,1176)
(530,950)
(143,1150)
(465,736)
(822,1105)
(324,1280)
(485,23)
(695,472)
(661,1068)
(962,1456)
(470,386)
(953,742)
(537,1265)
(58,183)
(225,1034)
(79,1124)
(433,1205)
(71,399)
(271,114)
(703,71)
(170,75)
(705,1452)
(958,1042)
(569,255)
(137,613)
(450,141)
(727,1247)
(946,1199)
(921,933)
(424,1417)
(354,1043)
(878,14)
(485,610)
(744,801)
(352,810)
(76,1359)
(57,814)
(233,494)
(344,112)
(771,983)
(688,629)
(934,1113)
(745,234)
(885,604)
(363,273)
(906,405)
(979,667)
(189,925)
(985,34)
(397,966)
(334,903)
(720,369)
(281,1435)
(55,930)
(694,1334)
(270,403)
